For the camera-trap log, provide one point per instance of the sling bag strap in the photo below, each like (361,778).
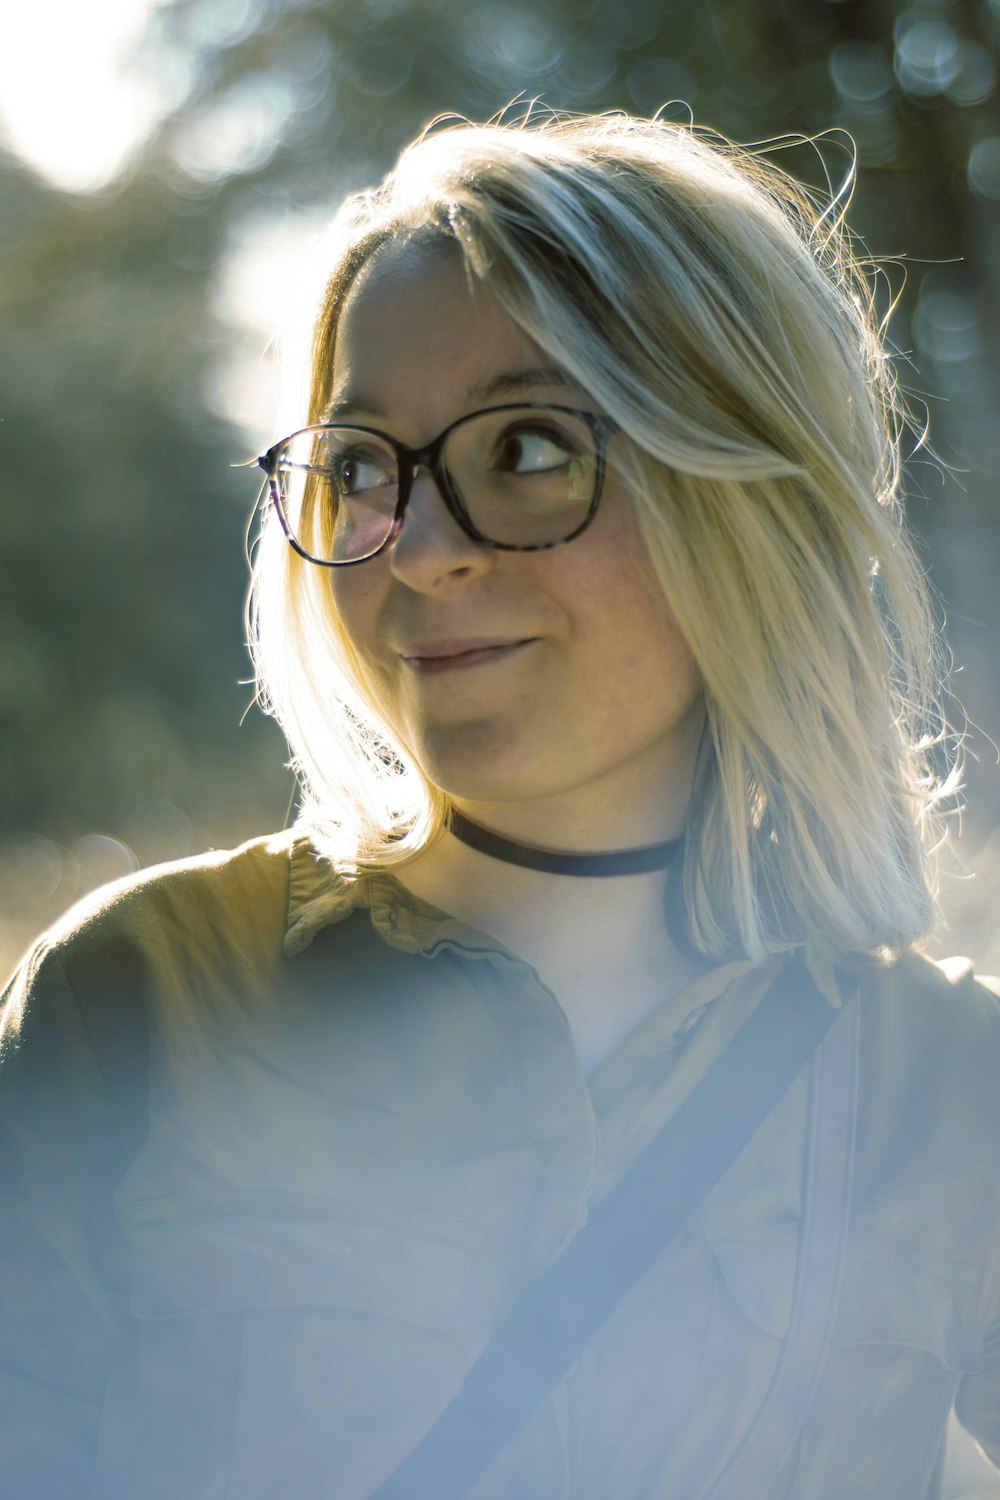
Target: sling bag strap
(826,1213)
(562,1309)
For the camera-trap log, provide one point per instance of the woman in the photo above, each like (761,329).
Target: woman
(594,548)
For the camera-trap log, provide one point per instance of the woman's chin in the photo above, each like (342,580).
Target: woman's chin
(478,764)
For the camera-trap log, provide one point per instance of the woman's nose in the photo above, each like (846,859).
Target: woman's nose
(432,551)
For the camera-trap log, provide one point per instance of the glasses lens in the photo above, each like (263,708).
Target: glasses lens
(338,489)
(525,477)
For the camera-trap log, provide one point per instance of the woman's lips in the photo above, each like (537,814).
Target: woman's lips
(459,656)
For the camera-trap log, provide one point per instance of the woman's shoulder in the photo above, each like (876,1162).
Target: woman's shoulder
(943,999)
(920,1008)
(212,910)
(243,889)
(194,947)
(930,1046)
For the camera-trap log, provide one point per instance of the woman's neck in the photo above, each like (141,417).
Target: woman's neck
(601,945)
(595,940)
(580,864)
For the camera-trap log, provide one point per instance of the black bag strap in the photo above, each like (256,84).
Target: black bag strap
(562,1309)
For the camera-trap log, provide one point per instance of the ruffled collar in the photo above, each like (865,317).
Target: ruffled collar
(320,895)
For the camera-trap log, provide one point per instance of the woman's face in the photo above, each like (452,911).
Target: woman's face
(555,676)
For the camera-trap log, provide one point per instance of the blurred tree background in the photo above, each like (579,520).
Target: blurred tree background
(137,299)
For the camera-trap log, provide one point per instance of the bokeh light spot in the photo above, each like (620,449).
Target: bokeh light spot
(264,289)
(75,102)
(976,78)
(31,871)
(946,327)
(861,71)
(238,132)
(524,45)
(213,24)
(984,168)
(928,54)
(103,858)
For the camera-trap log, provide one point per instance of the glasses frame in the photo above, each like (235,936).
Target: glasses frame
(408,460)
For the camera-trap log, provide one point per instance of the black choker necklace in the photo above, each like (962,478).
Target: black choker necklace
(621,862)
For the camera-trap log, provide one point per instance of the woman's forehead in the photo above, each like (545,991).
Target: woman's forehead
(414,318)
(402,278)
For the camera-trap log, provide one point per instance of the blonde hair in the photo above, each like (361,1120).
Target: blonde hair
(719,314)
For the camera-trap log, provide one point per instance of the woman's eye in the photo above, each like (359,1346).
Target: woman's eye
(532,451)
(355,473)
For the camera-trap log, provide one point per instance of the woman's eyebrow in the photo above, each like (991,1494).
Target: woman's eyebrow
(357,406)
(506,383)
(516,380)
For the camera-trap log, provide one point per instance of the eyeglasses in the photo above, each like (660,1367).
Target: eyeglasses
(521,478)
